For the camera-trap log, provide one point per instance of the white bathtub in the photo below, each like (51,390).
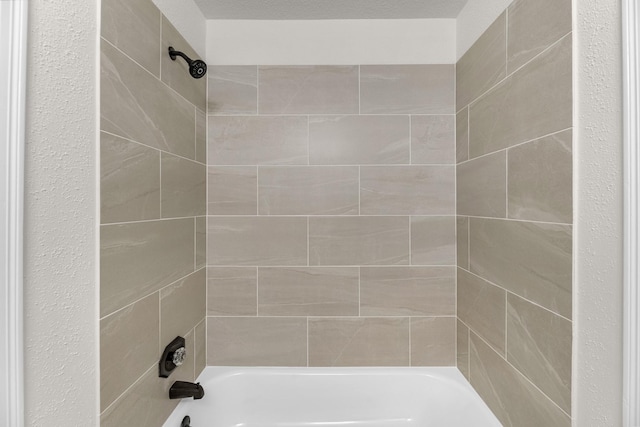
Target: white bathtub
(324,397)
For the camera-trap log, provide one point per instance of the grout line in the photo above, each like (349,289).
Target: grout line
(473,101)
(150,147)
(518,372)
(537,138)
(520,220)
(148,295)
(519,296)
(154,366)
(142,221)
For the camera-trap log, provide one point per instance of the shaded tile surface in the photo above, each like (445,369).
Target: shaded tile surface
(462,245)
(540,179)
(129,343)
(353,140)
(308,89)
(433,341)
(308,291)
(407,291)
(359,341)
(183,306)
(232,291)
(532,260)
(232,190)
(462,348)
(256,341)
(407,89)
(257,140)
(539,346)
(433,240)
(184,187)
(482,186)
(257,241)
(407,190)
(308,190)
(433,139)
(462,135)
(129,180)
(482,307)
(233,89)
(513,399)
(358,240)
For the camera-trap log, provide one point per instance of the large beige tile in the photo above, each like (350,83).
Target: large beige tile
(407,291)
(232,291)
(201,242)
(433,341)
(407,190)
(256,341)
(407,89)
(176,73)
(183,305)
(462,245)
(534,26)
(540,179)
(201,136)
(308,89)
(136,105)
(482,186)
(539,346)
(201,347)
(233,89)
(133,26)
(352,140)
(129,344)
(232,190)
(433,139)
(484,64)
(533,102)
(129,180)
(358,240)
(462,348)
(359,341)
(186,371)
(482,307)
(308,190)
(308,291)
(433,240)
(146,404)
(257,140)
(513,399)
(462,135)
(184,187)
(532,260)
(276,241)
(139,258)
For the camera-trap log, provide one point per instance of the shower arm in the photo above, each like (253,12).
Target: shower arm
(173,53)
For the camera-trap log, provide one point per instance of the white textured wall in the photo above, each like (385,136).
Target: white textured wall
(356,41)
(60,285)
(474,19)
(186,16)
(597,387)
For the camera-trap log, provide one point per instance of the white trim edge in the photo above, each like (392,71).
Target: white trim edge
(631,75)
(13,35)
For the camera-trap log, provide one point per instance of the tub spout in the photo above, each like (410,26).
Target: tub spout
(183,390)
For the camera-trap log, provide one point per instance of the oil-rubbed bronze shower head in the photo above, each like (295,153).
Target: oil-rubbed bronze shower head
(197,67)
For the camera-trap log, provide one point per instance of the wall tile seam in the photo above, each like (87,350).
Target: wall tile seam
(142,221)
(516,295)
(124,138)
(147,371)
(158,291)
(521,374)
(151,74)
(528,221)
(519,144)
(549,47)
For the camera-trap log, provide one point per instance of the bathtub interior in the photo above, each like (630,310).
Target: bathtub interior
(324,397)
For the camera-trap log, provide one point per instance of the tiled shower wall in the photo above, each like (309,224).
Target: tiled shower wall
(331,215)
(153,205)
(514,206)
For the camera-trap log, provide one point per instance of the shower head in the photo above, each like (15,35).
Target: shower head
(197,68)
